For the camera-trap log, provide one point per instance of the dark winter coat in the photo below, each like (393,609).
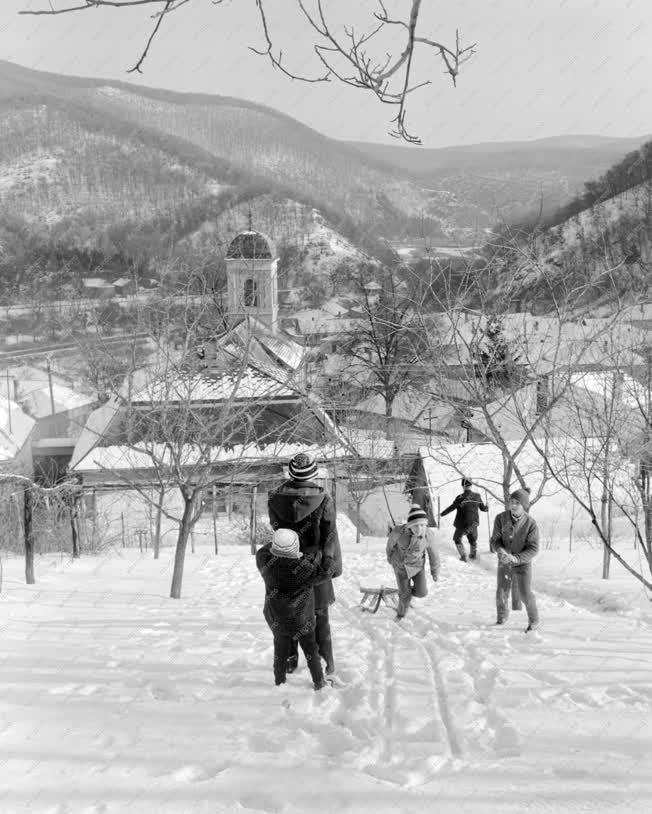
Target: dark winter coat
(408,552)
(307,509)
(520,537)
(289,596)
(467,505)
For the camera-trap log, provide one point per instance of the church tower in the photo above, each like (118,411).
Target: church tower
(252,281)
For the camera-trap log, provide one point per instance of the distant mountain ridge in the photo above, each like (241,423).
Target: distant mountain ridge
(109,173)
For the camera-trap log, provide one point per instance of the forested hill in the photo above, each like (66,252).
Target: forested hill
(248,142)
(509,181)
(99,173)
(598,245)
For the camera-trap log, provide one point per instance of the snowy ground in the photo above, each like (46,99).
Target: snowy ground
(115,698)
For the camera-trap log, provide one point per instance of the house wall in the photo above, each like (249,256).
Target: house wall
(107,511)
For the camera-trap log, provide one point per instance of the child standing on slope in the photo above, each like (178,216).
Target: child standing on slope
(407,546)
(515,539)
(290,602)
(467,519)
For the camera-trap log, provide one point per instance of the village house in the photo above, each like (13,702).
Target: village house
(247,407)
(59,412)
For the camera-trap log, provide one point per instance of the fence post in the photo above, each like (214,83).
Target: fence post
(74,525)
(214,512)
(252,520)
(28,499)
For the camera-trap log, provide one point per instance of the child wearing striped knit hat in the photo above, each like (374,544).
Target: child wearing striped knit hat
(407,548)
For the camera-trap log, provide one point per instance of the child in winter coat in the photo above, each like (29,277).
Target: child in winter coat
(407,546)
(467,519)
(515,539)
(289,600)
(302,505)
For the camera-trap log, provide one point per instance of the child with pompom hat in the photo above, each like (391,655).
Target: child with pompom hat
(289,600)
(407,546)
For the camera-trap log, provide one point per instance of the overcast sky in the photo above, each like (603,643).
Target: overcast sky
(542,68)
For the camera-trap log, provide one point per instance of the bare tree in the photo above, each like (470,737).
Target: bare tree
(384,345)
(194,422)
(601,455)
(369,59)
(504,373)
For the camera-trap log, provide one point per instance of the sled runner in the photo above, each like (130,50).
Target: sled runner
(372,597)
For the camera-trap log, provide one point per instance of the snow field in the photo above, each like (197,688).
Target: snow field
(115,698)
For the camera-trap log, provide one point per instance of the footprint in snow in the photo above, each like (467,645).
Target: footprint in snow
(196,774)
(76,689)
(159,693)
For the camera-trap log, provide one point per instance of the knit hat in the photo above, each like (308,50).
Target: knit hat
(416,515)
(466,482)
(522,496)
(285,543)
(303,467)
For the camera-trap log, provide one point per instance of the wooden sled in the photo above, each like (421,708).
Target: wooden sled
(372,597)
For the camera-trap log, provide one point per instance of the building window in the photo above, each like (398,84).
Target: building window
(251,293)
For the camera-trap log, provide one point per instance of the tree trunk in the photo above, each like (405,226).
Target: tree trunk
(214,513)
(357,522)
(157,530)
(508,471)
(182,542)
(28,501)
(74,527)
(604,521)
(252,521)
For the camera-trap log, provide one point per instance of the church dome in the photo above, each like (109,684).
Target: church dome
(250,245)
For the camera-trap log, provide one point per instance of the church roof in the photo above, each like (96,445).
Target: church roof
(250,245)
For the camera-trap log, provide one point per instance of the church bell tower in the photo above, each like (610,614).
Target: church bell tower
(252,281)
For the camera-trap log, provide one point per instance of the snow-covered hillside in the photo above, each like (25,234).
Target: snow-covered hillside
(116,699)
(604,248)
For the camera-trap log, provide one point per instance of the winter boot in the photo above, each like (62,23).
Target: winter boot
(463,557)
(473,555)
(532,626)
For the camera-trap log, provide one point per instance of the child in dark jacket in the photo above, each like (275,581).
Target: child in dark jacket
(467,519)
(290,601)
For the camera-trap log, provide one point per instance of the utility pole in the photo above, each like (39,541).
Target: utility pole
(9,402)
(49,371)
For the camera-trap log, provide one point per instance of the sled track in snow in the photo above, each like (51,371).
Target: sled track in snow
(385,666)
(442,696)
(386,663)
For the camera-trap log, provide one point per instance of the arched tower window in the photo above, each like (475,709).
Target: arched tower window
(251,293)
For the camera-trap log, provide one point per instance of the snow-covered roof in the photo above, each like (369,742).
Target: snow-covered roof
(445,464)
(95,282)
(408,404)
(38,402)
(122,457)
(238,386)
(96,427)
(14,438)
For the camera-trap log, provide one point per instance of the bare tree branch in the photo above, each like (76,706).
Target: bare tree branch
(348,57)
